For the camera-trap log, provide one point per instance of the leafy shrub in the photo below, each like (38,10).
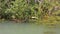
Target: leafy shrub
(46,11)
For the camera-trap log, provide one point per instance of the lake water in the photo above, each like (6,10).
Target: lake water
(26,28)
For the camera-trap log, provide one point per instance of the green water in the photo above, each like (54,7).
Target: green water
(26,28)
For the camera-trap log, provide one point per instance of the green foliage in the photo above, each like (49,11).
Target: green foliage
(45,11)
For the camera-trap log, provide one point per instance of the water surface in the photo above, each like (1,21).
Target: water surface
(25,28)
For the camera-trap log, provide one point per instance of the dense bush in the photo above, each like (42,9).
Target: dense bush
(43,11)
